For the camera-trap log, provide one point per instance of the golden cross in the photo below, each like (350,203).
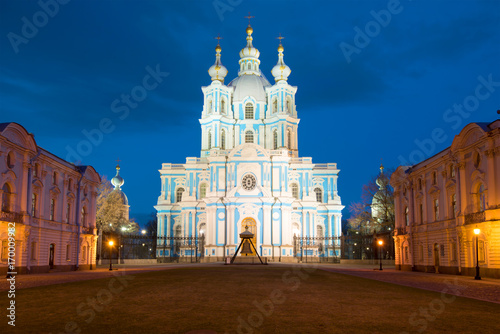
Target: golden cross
(280,38)
(218,38)
(118,160)
(249,17)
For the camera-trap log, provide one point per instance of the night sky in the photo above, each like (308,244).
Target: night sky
(376,79)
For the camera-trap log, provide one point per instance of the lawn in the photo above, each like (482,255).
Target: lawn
(245,299)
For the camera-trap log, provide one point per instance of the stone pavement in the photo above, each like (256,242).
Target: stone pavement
(486,289)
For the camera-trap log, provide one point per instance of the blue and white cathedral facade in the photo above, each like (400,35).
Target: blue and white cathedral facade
(249,173)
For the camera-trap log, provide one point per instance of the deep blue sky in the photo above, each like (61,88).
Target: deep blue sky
(395,90)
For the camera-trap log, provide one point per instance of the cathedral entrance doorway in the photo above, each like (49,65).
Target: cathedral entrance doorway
(252,227)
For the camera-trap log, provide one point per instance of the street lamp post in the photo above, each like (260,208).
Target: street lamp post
(476,232)
(110,253)
(380,243)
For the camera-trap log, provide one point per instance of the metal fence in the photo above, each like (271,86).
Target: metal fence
(187,249)
(317,249)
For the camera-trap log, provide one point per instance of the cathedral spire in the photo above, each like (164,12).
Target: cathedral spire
(281,71)
(217,71)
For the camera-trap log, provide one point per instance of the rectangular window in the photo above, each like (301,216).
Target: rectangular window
(421,209)
(436,209)
(68,212)
(84,253)
(33,204)
(481,251)
(5,249)
(33,250)
(406,253)
(453,205)
(441,248)
(52,208)
(68,252)
(421,252)
(453,251)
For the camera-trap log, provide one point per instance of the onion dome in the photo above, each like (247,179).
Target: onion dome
(217,71)
(382,181)
(249,62)
(249,50)
(117,181)
(281,71)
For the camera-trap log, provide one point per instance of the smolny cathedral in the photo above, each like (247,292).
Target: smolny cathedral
(249,174)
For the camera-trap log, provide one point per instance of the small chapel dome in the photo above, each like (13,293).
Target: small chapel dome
(117,181)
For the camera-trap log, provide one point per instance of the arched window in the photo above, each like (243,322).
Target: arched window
(319,231)
(223,106)
(481,198)
(249,66)
(248,136)
(203,190)
(178,195)
(248,111)
(295,190)
(289,138)
(178,231)
(223,139)
(407,220)
(209,141)
(84,217)
(288,106)
(52,209)
(6,198)
(275,139)
(275,105)
(319,195)
(295,229)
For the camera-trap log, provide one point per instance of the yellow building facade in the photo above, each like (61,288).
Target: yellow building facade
(440,201)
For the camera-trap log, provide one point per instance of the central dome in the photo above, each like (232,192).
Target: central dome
(249,85)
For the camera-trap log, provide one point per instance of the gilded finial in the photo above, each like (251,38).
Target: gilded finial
(280,47)
(249,17)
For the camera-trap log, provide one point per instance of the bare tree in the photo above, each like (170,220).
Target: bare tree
(375,212)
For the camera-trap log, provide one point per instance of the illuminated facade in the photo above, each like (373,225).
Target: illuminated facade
(51,204)
(440,201)
(249,173)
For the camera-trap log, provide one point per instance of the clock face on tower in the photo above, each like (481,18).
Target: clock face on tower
(248,182)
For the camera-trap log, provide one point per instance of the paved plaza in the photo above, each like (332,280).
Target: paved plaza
(487,289)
